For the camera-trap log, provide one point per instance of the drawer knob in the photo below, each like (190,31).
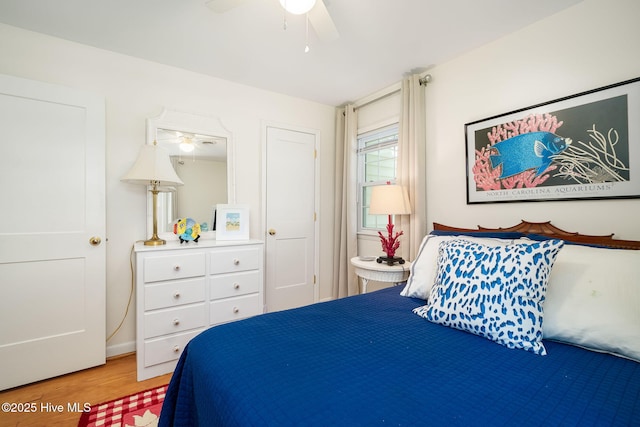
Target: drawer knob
(176,294)
(176,348)
(176,322)
(236,310)
(236,261)
(236,286)
(176,268)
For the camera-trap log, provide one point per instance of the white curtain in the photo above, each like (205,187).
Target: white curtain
(345,281)
(412,164)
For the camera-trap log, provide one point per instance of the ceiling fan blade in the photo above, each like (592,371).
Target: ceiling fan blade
(322,23)
(222,6)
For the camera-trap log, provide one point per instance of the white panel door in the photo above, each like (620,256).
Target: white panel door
(290,218)
(52,279)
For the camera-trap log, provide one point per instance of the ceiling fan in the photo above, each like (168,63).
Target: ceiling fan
(178,143)
(316,11)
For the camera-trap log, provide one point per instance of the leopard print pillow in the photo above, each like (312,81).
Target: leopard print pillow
(496,292)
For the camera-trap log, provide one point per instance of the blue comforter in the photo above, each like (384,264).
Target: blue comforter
(368,360)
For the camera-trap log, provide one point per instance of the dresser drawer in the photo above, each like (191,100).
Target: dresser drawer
(174,293)
(174,320)
(234,284)
(226,310)
(235,258)
(170,267)
(166,349)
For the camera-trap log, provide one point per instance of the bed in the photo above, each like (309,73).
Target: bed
(374,359)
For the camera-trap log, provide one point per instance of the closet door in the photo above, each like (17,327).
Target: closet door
(52,224)
(290,206)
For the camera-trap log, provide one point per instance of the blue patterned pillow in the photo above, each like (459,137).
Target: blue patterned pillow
(496,292)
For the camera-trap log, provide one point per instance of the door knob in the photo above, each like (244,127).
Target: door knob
(272,232)
(95,241)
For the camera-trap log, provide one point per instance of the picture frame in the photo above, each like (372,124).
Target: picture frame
(232,222)
(583,146)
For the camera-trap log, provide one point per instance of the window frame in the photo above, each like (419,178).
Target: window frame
(391,127)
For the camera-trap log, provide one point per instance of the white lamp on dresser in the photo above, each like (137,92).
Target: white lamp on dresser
(153,168)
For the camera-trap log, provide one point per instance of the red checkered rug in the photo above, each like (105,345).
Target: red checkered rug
(140,409)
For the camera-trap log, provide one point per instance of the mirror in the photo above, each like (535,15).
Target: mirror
(200,150)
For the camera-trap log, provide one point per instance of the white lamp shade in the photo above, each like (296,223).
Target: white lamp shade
(298,7)
(152,166)
(389,200)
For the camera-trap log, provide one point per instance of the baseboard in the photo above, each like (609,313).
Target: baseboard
(118,349)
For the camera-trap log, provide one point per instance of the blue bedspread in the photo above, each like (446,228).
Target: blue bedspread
(368,360)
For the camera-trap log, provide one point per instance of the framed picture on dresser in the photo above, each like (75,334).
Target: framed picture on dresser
(232,222)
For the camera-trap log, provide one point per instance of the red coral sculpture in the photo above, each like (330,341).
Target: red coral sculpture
(391,243)
(487,178)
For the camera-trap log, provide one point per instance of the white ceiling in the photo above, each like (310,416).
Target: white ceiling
(380,40)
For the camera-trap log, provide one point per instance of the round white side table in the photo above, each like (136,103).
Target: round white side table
(379,272)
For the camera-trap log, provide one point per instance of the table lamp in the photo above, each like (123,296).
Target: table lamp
(389,200)
(153,168)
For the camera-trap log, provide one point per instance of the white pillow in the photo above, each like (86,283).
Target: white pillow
(593,300)
(423,271)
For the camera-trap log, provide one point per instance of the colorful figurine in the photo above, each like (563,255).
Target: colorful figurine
(186,229)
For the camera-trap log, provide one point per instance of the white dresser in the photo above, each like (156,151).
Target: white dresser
(182,290)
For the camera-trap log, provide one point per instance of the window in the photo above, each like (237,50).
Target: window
(377,165)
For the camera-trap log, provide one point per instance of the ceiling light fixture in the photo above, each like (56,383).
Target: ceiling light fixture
(298,7)
(187,144)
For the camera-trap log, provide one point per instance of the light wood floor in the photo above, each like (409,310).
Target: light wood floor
(96,385)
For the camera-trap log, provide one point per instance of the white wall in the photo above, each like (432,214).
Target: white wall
(134,90)
(590,45)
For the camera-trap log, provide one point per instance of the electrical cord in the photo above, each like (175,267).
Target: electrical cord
(126,313)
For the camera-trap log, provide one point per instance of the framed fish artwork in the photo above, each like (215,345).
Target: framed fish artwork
(583,146)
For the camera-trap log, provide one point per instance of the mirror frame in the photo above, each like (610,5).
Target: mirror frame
(193,123)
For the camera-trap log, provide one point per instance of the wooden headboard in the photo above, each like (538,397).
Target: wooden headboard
(549,230)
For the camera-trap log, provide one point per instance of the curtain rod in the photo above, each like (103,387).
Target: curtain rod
(388,91)
(424,80)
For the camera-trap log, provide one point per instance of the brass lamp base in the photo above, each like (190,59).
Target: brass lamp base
(154,241)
